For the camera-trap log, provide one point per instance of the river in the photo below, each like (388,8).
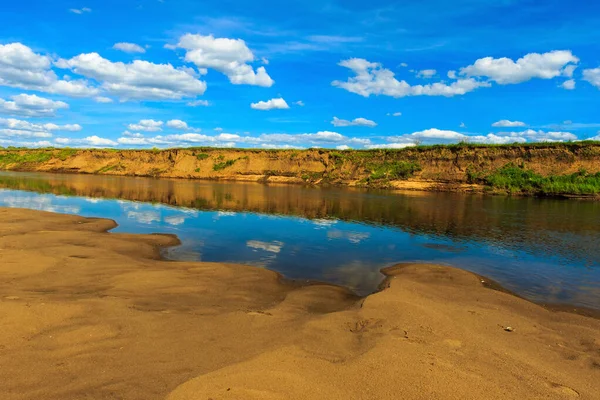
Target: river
(546,250)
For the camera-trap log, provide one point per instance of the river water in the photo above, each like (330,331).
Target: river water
(545,250)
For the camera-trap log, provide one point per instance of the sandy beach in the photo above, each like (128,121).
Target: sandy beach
(88,314)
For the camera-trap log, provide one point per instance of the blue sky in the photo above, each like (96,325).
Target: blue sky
(146,73)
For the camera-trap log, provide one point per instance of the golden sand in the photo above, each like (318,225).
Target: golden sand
(87,314)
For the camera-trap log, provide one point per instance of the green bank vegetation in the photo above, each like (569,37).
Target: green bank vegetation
(519,180)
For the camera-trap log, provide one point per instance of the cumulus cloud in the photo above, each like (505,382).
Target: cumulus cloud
(355,122)
(146,125)
(198,103)
(20,67)
(102,99)
(31,106)
(90,141)
(396,114)
(343,147)
(533,65)
(278,103)
(129,47)
(20,128)
(132,134)
(426,73)
(137,80)
(435,135)
(506,123)
(569,84)
(592,76)
(390,145)
(299,103)
(228,56)
(372,79)
(177,124)
(274,140)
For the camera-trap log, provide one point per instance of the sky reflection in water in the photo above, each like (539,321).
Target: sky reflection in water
(352,253)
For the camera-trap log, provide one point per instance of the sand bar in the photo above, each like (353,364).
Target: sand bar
(88,314)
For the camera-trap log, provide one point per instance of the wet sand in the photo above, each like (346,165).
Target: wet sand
(93,315)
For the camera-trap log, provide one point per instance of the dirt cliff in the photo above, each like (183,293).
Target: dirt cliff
(455,167)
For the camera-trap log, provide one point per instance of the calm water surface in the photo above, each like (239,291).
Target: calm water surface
(545,250)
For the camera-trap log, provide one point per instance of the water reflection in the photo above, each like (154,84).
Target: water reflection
(546,250)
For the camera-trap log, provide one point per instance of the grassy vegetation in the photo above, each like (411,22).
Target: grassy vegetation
(202,156)
(107,168)
(223,164)
(516,179)
(390,170)
(22,157)
(65,153)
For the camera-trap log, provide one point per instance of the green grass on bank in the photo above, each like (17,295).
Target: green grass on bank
(24,157)
(516,179)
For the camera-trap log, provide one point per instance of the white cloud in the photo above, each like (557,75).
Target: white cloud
(569,84)
(179,124)
(228,56)
(98,141)
(533,65)
(343,147)
(299,103)
(92,141)
(541,136)
(146,125)
(435,135)
(426,73)
(22,68)
(462,125)
(132,134)
(138,80)
(276,140)
(372,79)
(26,125)
(404,65)
(568,70)
(592,76)
(281,146)
(396,114)
(129,47)
(19,128)
(506,123)
(389,146)
(355,122)
(278,103)
(102,99)
(80,10)
(31,106)
(198,103)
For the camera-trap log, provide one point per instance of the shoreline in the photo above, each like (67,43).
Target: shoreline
(398,186)
(124,329)
(560,170)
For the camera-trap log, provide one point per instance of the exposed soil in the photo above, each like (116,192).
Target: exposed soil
(443,168)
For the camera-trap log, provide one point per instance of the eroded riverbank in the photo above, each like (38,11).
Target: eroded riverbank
(542,169)
(99,315)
